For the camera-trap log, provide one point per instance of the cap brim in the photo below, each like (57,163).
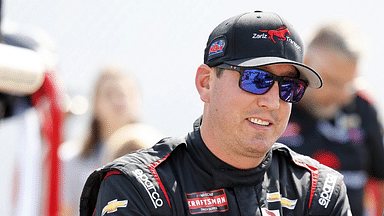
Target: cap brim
(306,73)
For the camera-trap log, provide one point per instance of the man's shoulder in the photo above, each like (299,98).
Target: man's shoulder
(139,170)
(304,161)
(145,158)
(327,188)
(298,158)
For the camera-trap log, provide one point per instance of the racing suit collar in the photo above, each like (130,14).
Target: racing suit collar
(224,175)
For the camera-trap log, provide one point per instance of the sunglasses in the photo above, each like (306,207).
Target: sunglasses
(259,82)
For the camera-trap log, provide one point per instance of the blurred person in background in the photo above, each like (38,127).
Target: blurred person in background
(338,124)
(116,103)
(130,138)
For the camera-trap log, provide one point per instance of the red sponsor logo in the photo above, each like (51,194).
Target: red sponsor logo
(207,202)
(217,47)
(279,33)
(269,213)
(266,212)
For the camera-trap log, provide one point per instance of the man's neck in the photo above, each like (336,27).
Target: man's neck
(226,155)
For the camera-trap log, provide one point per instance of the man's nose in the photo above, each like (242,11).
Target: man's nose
(271,99)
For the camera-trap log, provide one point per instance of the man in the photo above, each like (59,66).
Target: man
(229,164)
(338,124)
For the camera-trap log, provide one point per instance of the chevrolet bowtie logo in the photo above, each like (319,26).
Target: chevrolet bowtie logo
(113,205)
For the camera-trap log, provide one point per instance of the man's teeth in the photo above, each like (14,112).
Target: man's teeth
(258,121)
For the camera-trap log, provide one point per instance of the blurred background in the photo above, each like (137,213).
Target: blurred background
(162,44)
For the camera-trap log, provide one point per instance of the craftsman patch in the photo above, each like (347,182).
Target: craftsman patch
(207,202)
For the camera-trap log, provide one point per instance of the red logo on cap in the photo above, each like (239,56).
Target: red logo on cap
(280,33)
(217,47)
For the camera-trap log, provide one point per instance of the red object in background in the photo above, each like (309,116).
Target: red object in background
(374,197)
(327,158)
(47,101)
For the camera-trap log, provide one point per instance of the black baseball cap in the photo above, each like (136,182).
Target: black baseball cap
(258,39)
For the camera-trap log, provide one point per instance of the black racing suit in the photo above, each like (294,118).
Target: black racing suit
(180,176)
(351,143)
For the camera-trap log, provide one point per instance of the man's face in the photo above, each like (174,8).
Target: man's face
(338,74)
(243,123)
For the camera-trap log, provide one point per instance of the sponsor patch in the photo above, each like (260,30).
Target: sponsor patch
(113,205)
(326,193)
(286,203)
(280,34)
(217,48)
(273,197)
(152,168)
(149,187)
(266,212)
(290,40)
(207,202)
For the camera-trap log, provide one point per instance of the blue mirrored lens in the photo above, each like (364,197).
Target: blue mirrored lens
(259,82)
(292,90)
(256,81)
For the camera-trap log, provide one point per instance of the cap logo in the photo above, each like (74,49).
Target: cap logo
(279,33)
(217,47)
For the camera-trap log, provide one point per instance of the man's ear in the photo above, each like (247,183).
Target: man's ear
(203,82)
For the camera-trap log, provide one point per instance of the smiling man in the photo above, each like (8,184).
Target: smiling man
(230,164)
(238,127)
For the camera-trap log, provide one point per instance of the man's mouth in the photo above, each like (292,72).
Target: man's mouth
(258,121)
